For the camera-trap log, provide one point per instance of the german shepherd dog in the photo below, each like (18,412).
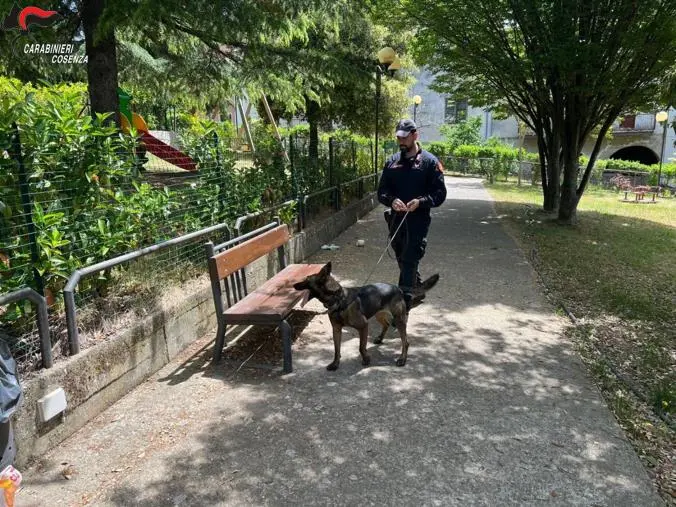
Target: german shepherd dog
(353,307)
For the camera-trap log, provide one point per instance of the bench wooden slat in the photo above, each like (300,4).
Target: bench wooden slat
(273,300)
(237,257)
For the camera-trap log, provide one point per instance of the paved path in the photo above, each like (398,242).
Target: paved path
(493,407)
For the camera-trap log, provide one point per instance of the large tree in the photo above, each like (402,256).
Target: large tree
(330,76)
(566,68)
(176,70)
(232,30)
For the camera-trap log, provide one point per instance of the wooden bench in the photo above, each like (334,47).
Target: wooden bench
(269,304)
(640,192)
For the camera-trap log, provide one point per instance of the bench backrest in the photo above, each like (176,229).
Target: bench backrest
(229,264)
(237,257)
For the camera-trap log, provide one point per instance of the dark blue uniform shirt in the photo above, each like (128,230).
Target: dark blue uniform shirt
(419,177)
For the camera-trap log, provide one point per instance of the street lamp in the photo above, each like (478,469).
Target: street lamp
(416,102)
(388,61)
(662,116)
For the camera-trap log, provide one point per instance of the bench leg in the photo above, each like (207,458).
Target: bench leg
(287,333)
(220,341)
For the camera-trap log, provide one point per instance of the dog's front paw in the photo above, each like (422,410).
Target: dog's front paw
(333,366)
(401,361)
(366,360)
(378,340)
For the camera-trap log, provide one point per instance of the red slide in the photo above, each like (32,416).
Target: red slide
(165,152)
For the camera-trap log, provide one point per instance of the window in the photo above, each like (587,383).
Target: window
(628,122)
(455,111)
(449,111)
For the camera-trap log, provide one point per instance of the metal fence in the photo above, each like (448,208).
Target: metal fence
(125,222)
(495,168)
(529,172)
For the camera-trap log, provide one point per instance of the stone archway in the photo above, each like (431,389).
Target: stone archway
(637,154)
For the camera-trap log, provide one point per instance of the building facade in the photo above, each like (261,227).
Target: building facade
(637,137)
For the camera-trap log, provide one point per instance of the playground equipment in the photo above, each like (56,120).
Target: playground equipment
(152,144)
(162,150)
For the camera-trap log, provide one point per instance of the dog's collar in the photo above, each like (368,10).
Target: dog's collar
(340,305)
(335,307)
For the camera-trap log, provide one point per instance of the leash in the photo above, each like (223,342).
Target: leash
(374,267)
(387,247)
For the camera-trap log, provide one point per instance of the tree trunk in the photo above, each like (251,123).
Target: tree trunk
(569,198)
(544,179)
(594,154)
(313,120)
(551,192)
(551,199)
(554,158)
(102,61)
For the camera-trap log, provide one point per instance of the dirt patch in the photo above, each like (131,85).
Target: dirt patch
(263,344)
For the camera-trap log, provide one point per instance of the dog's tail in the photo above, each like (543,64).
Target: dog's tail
(429,283)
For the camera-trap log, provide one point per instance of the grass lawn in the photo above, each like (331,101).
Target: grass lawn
(615,271)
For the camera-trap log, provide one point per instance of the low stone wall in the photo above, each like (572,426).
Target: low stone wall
(96,378)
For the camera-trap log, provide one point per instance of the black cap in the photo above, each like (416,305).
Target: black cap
(405,127)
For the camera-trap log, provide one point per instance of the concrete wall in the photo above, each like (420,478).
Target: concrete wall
(652,141)
(96,378)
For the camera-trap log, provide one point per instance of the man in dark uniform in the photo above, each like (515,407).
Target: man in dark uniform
(413,181)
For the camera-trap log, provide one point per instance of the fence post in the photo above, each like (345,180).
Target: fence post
(222,195)
(330,161)
(336,195)
(294,184)
(533,175)
(355,171)
(520,168)
(43,319)
(27,210)
(353,150)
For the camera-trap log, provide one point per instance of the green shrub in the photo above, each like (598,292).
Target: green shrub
(89,202)
(79,174)
(441,149)
(462,133)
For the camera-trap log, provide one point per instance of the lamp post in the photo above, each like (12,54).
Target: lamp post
(388,61)
(416,102)
(661,117)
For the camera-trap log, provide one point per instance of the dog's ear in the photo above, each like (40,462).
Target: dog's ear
(326,270)
(301,285)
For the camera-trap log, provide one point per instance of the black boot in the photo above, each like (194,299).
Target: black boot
(417,294)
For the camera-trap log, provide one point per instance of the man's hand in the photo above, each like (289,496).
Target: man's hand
(398,205)
(413,205)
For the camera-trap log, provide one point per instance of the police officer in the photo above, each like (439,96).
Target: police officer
(413,182)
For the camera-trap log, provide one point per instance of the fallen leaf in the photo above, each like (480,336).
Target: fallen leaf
(68,472)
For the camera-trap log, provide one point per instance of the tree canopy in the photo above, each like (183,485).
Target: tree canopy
(566,68)
(314,58)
